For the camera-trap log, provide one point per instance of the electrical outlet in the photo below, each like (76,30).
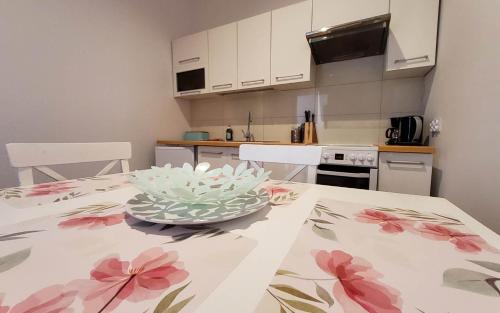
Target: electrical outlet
(435,126)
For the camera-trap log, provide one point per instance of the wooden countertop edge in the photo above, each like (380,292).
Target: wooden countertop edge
(407,149)
(213,143)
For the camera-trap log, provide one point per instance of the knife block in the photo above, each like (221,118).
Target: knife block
(310,135)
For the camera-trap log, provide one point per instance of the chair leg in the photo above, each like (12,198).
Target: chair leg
(25,175)
(125,166)
(311,174)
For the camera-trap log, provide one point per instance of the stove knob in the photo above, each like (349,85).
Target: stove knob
(361,157)
(370,158)
(352,157)
(326,156)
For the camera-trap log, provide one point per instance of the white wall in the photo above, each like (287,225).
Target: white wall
(464,91)
(89,70)
(212,13)
(351,102)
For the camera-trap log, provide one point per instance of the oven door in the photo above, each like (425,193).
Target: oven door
(347,176)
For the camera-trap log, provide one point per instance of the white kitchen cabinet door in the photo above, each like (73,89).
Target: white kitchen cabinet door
(219,156)
(223,57)
(290,52)
(254,51)
(212,155)
(328,13)
(409,173)
(413,36)
(190,52)
(174,155)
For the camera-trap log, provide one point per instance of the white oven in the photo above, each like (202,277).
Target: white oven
(349,166)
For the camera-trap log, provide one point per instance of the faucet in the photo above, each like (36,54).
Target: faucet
(248,135)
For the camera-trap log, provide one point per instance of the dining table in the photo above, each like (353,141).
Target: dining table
(313,248)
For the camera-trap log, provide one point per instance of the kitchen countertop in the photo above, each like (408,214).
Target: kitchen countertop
(219,143)
(236,144)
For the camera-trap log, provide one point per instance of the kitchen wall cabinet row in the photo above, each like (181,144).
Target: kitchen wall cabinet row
(249,54)
(270,50)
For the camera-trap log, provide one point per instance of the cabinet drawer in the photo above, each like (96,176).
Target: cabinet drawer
(408,173)
(219,156)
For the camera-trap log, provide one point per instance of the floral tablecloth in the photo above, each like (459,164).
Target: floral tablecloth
(53,192)
(352,257)
(96,258)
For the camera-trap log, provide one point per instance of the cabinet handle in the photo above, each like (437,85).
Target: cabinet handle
(211,153)
(289,77)
(196,59)
(194,92)
(423,58)
(253,82)
(405,163)
(222,86)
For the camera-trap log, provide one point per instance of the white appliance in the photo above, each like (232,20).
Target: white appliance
(174,155)
(351,166)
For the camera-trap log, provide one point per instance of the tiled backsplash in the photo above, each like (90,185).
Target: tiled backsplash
(351,102)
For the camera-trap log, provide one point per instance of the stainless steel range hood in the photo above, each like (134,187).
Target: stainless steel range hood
(351,40)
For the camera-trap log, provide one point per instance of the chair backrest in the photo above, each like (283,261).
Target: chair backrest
(305,157)
(28,156)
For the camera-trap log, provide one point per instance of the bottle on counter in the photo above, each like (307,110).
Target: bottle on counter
(229,133)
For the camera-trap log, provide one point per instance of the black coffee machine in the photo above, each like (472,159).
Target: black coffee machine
(405,131)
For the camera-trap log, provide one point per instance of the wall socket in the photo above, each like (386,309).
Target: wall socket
(435,127)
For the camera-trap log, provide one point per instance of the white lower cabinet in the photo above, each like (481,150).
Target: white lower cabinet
(408,173)
(219,156)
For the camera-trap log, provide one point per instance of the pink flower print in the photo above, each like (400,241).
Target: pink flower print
(49,188)
(357,288)
(145,277)
(53,299)
(389,223)
(275,190)
(462,241)
(3,309)
(92,222)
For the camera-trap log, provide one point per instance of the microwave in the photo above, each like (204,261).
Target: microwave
(190,82)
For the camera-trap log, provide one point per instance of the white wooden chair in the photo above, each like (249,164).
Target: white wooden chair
(304,157)
(28,156)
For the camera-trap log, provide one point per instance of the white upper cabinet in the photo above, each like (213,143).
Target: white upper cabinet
(190,64)
(223,57)
(413,36)
(190,52)
(290,52)
(254,51)
(328,13)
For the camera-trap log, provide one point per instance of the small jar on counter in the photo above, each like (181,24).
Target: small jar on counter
(229,133)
